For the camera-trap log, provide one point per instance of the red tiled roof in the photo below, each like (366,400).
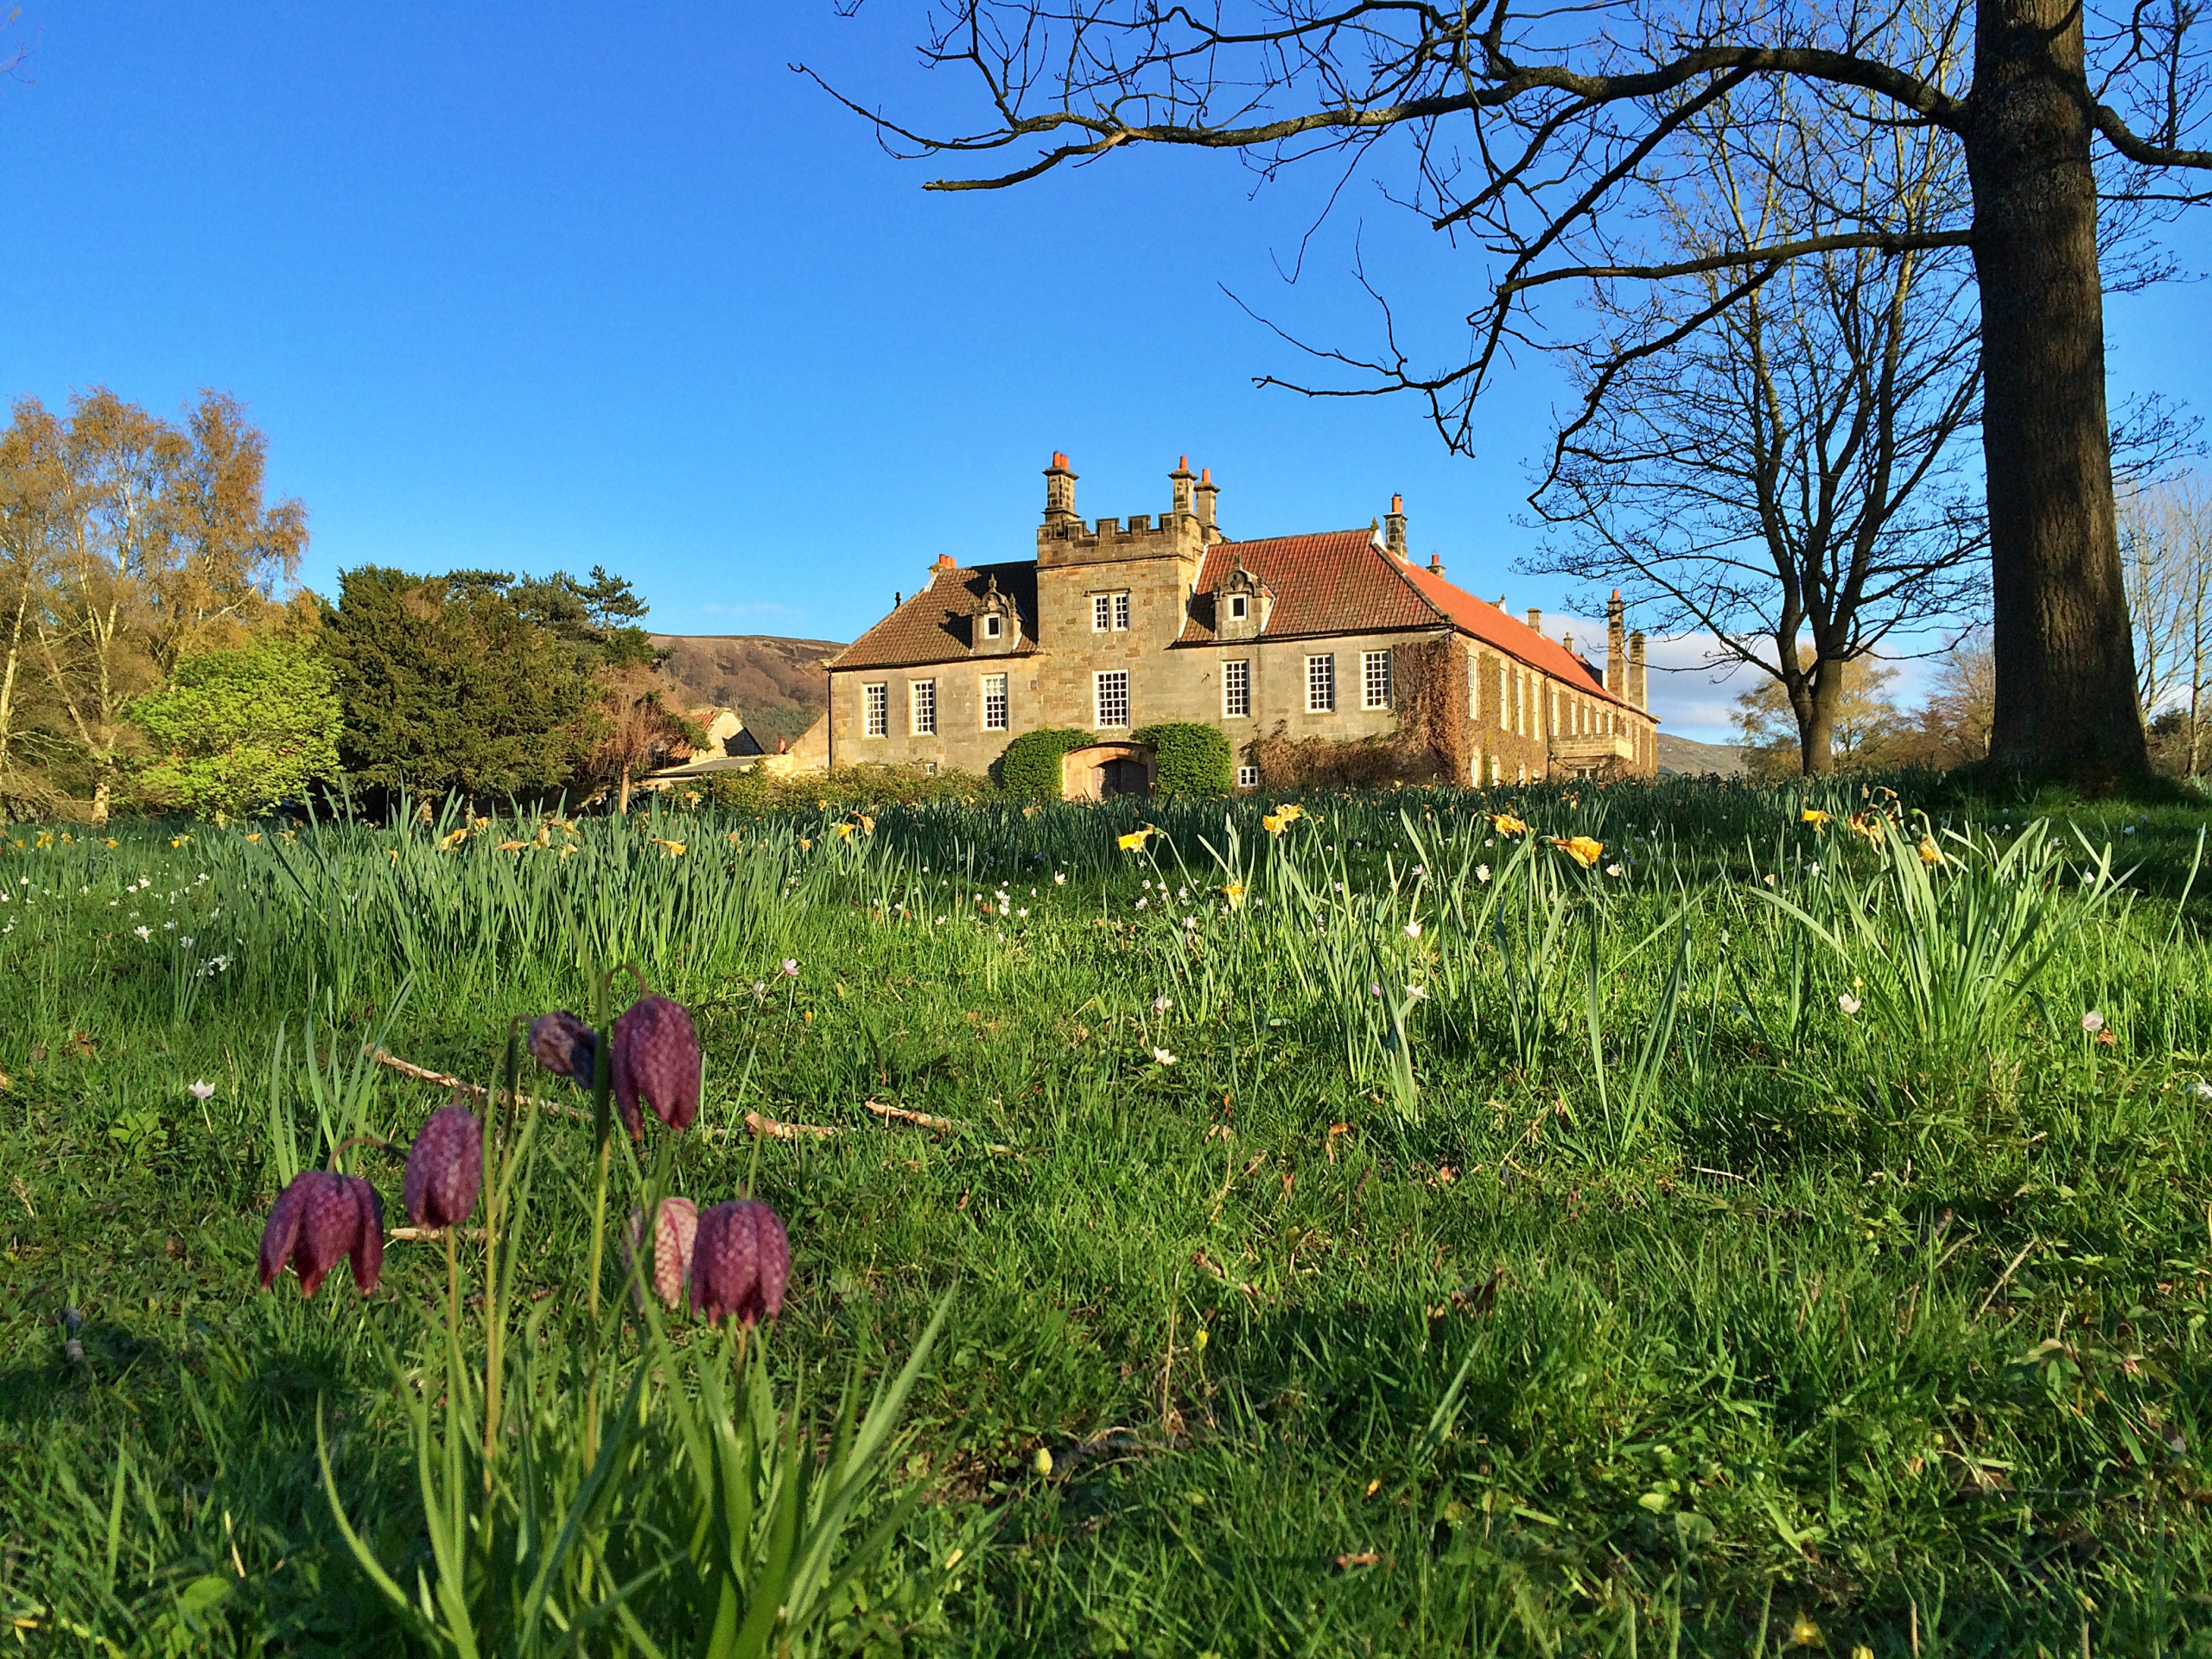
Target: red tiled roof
(1339,581)
(934,624)
(1494,627)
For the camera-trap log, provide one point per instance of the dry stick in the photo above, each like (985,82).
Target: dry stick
(924,1120)
(473,1235)
(424,1074)
(773,1127)
(2003,1277)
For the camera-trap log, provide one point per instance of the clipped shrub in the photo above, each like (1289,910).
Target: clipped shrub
(1195,759)
(758,792)
(1031,765)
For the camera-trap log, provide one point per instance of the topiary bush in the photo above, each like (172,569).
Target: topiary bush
(1195,759)
(1031,765)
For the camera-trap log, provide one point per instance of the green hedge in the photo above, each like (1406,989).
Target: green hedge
(756,791)
(1195,759)
(1031,765)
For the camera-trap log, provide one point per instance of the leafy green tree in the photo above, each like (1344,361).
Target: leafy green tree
(236,731)
(452,683)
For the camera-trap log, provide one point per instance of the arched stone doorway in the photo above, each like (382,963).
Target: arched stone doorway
(1104,770)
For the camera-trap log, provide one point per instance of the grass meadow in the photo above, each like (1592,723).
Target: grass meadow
(1378,1233)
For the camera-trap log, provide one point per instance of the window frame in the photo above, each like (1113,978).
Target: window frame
(1121,612)
(1102,613)
(1100,679)
(1321,684)
(993,626)
(875,708)
(1239,607)
(1374,666)
(1237,687)
(921,695)
(985,697)
(1247,776)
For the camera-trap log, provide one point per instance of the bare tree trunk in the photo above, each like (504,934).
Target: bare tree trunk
(1816,718)
(2066,705)
(623,804)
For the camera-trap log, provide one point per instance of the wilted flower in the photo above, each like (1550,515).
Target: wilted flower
(1162,1004)
(741,1262)
(657,1056)
(675,1234)
(1848,1003)
(1930,854)
(1582,848)
(200,1090)
(445,1168)
(2093,1022)
(565,1046)
(320,1217)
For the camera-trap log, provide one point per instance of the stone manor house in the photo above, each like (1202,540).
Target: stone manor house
(1114,626)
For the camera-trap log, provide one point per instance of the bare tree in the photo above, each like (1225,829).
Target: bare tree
(1785,480)
(1535,132)
(2165,544)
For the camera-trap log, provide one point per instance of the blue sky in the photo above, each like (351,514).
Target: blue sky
(556,286)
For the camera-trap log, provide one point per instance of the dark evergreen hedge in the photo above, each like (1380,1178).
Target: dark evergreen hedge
(1195,759)
(1031,765)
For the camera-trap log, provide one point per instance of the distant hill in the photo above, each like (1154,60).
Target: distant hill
(1683,754)
(777,685)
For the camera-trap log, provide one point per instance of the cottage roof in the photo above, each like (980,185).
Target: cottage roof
(937,625)
(1339,581)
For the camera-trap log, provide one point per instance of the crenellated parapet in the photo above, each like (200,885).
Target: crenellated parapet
(1184,531)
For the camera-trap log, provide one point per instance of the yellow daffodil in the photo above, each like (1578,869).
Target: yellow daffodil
(1273,822)
(179,841)
(1234,894)
(393,854)
(844,831)
(256,836)
(1583,850)
(110,842)
(569,851)
(447,843)
(1813,815)
(674,847)
(46,839)
(512,846)
(806,844)
(867,825)
(1506,824)
(1930,854)
(67,839)
(1135,840)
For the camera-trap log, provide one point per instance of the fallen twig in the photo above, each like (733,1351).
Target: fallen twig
(473,1235)
(778,1130)
(2004,1277)
(424,1074)
(925,1121)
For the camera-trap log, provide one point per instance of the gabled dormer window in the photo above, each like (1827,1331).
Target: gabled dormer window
(1239,605)
(993,626)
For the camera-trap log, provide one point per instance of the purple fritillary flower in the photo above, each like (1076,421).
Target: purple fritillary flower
(445,1168)
(317,1218)
(740,1263)
(564,1046)
(657,1056)
(673,1240)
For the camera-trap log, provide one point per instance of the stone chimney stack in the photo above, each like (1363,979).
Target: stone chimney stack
(1394,528)
(1536,620)
(1637,687)
(1205,495)
(1617,646)
(1181,480)
(1436,564)
(1059,491)
(1566,643)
